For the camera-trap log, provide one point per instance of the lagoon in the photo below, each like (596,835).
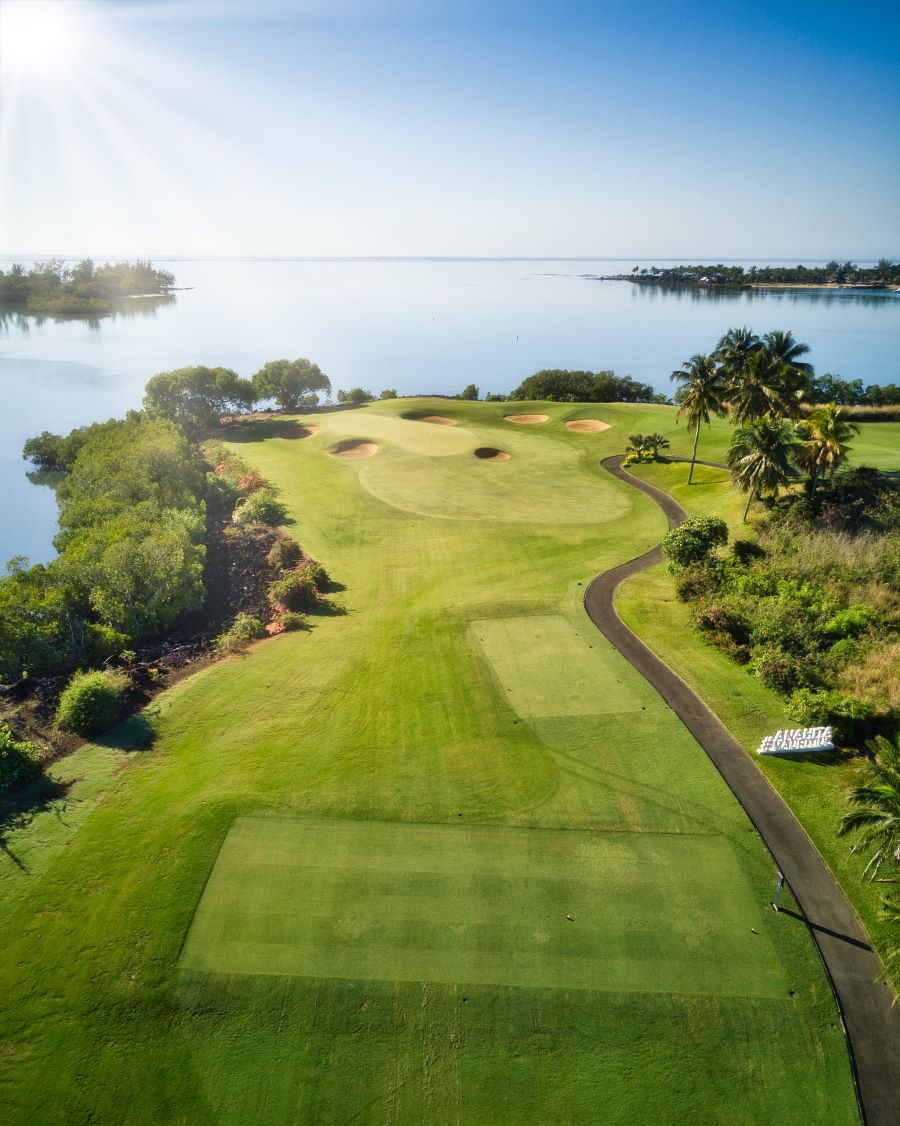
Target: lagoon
(417,325)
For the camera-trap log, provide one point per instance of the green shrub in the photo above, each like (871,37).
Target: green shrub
(244,629)
(779,670)
(103,642)
(18,761)
(292,620)
(261,507)
(724,624)
(285,554)
(694,540)
(92,701)
(294,591)
(851,719)
(316,574)
(697,581)
(849,623)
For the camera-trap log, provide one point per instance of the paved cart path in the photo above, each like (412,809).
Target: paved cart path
(871,1022)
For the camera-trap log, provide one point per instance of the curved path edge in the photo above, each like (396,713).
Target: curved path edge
(871,1021)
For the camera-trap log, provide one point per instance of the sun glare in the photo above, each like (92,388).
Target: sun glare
(39,38)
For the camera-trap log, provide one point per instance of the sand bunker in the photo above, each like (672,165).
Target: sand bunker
(526,419)
(355,449)
(431,419)
(300,430)
(583,425)
(488,453)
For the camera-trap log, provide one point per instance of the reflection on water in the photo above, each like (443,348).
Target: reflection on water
(698,295)
(15,318)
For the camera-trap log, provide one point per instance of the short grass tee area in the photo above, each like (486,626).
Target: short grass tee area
(538,908)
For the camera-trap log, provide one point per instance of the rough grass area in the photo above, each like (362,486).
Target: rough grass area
(540,908)
(390,712)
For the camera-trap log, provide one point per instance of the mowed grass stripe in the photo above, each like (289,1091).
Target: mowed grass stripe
(489,905)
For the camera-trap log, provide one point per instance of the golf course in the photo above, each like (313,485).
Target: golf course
(445,856)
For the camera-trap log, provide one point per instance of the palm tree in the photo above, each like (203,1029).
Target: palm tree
(700,394)
(733,350)
(876,806)
(759,457)
(797,375)
(758,389)
(637,445)
(653,443)
(825,437)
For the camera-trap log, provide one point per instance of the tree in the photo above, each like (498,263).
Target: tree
(765,387)
(875,816)
(733,351)
(291,383)
(388,393)
(356,396)
(700,395)
(795,376)
(653,443)
(825,436)
(637,446)
(694,539)
(760,457)
(469,392)
(197,397)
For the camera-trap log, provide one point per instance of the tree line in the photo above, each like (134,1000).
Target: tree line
(52,286)
(884,273)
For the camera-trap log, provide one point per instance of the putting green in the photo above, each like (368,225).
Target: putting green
(544,481)
(547,668)
(535,908)
(409,434)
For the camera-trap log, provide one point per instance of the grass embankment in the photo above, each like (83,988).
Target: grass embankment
(816,790)
(446,729)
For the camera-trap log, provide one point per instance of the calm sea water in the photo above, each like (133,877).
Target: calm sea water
(416,325)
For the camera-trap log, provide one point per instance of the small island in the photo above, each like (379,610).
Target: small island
(834,275)
(85,288)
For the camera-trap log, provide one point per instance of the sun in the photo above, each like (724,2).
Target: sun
(39,38)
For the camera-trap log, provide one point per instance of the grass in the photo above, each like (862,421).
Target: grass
(394,724)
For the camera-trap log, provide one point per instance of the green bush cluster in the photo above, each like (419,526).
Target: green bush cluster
(18,761)
(261,507)
(131,525)
(236,486)
(802,608)
(92,701)
(244,629)
(285,553)
(295,590)
(557,385)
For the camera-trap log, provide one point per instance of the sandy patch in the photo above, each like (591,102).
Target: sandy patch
(305,430)
(488,453)
(355,449)
(584,425)
(435,420)
(526,419)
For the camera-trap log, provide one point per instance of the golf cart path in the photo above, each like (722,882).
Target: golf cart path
(871,1022)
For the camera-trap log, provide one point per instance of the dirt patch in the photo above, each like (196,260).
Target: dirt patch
(585,425)
(300,430)
(355,449)
(489,453)
(526,419)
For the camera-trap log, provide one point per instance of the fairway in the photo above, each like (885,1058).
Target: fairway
(534,908)
(336,888)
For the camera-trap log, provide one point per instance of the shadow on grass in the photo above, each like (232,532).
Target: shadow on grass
(823,930)
(19,809)
(136,733)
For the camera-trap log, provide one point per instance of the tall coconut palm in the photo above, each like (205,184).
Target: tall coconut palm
(825,436)
(759,457)
(701,394)
(875,815)
(758,389)
(733,351)
(797,375)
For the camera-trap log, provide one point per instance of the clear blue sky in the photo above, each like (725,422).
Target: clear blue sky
(340,128)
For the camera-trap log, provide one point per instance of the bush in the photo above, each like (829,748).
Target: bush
(316,574)
(285,553)
(778,670)
(694,540)
(851,622)
(103,642)
(261,507)
(18,761)
(851,719)
(295,591)
(725,626)
(244,629)
(92,701)
(698,581)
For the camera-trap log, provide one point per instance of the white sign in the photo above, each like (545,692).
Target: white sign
(797,739)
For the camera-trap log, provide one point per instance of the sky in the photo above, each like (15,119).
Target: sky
(344,128)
